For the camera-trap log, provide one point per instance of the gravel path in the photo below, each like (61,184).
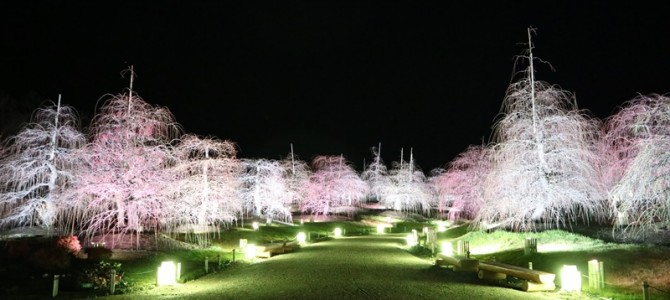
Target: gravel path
(365,267)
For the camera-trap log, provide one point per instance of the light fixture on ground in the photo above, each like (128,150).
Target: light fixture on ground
(571,279)
(411,240)
(338,232)
(167,274)
(301,237)
(250,251)
(380,229)
(254,225)
(447,249)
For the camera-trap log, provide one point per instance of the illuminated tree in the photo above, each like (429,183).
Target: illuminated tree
(127,159)
(407,188)
(265,190)
(637,150)
(296,176)
(205,186)
(36,169)
(376,175)
(545,167)
(334,185)
(459,188)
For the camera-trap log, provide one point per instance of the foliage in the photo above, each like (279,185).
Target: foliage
(637,147)
(69,243)
(376,175)
(459,188)
(126,164)
(334,185)
(545,168)
(407,188)
(36,170)
(50,259)
(98,253)
(98,275)
(265,190)
(296,175)
(205,183)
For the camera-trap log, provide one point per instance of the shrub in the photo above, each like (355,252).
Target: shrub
(98,253)
(98,276)
(51,259)
(69,243)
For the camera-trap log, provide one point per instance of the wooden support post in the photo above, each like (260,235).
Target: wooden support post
(178,275)
(233,255)
(54,290)
(530,246)
(112,282)
(218,258)
(463,248)
(596,275)
(645,291)
(206,264)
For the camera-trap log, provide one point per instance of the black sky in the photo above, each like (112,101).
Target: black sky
(332,77)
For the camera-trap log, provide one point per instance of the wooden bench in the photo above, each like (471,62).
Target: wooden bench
(535,280)
(269,250)
(459,263)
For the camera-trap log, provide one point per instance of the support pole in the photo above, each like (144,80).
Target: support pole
(206,264)
(112,282)
(645,290)
(54,291)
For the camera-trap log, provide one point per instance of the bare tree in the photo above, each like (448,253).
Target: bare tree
(459,188)
(544,160)
(205,187)
(265,189)
(36,168)
(333,185)
(637,150)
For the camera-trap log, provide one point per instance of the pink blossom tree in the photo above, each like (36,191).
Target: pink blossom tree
(636,147)
(127,159)
(37,168)
(205,186)
(545,168)
(459,188)
(407,188)
(333,185)
(265,190)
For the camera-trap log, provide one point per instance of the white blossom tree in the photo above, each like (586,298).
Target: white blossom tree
(296,176)
(333,185)
(459,188)
(637,151)
(545,167)
(127,158)
(205,187)
(407,188)
(37,168)
(265,190)
(376,175)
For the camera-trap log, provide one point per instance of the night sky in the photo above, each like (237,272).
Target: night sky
(330,77)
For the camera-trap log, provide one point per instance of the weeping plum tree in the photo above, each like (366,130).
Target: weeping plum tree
(407,188)
(296,176)
(376,175)
(37,168)
(127,159)
(333,185)
(637,150)
(204,190)
(265,190)
(544,160)
(459,188)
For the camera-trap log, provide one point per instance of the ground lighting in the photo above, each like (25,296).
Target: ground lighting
(447,249)
(167,274)
(250,251)
(338,232)
(380,229)
(571,279)
(254,225)
(301,237)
